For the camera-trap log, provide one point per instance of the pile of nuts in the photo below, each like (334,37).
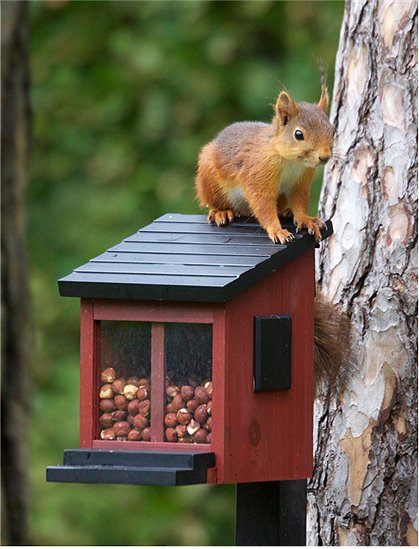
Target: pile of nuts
(188,413)
(124,406)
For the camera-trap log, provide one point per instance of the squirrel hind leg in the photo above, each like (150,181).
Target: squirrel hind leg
(286,213)
(283,207)
(221,217)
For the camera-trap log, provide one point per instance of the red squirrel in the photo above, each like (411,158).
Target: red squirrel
(266,170)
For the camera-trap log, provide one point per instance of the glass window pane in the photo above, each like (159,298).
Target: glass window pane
(188,366)
(125,380)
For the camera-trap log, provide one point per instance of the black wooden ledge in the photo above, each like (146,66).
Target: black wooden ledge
(130,467)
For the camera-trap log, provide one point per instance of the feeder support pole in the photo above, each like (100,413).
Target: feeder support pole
(271,513)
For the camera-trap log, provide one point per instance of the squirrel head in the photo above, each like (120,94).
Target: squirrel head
(302,131)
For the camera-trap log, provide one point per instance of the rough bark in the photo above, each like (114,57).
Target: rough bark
(364,488)
(16,333)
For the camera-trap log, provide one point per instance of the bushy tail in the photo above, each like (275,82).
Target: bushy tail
(332,350)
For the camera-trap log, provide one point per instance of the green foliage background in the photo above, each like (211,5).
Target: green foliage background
(124,94)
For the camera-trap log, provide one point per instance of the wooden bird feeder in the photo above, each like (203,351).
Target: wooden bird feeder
(196,360)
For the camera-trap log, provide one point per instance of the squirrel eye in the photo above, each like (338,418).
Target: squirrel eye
(299,136)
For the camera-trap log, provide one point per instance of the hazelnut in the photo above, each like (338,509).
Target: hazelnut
(171,435)
(145,434)
(169,408)
(140,422)
(183,416)
(181,431)
(201,413)
(106,391)
(107,434)
(121,402)
(192,405)
(118,415)
(201,436)
(121,428)
(144,408)
(133,380)
(184,439)
(170,420)
(193,427)
(208,388)
(187,392)
(201,395)
(106,420)
(142,393)
(132,407)
(172,391)
(208,424)
(134,435)
(118,386)
(108,375)
(107,405)
(130,391)
(177,403)
(209,408)
(130,419)
(144,382)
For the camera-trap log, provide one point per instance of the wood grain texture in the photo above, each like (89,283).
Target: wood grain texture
(268,436)
(89,376)
(364,488)
(158,395)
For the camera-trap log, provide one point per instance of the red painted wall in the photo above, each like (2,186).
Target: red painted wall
(268,436)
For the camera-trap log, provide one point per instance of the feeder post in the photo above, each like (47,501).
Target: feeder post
(271,513)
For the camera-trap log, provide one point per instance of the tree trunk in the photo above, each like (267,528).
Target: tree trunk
(16,334)
(364,488)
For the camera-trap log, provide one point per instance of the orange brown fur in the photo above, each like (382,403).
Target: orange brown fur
(333,358)
(253,168)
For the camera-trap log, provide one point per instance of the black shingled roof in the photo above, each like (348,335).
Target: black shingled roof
(183,258)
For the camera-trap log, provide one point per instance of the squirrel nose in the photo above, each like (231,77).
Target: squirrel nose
(324,159)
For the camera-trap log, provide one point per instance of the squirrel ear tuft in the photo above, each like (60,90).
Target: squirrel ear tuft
(285,107)
(324,98)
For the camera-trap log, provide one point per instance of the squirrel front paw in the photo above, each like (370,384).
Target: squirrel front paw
(220,217)
(280,235)
(312,224)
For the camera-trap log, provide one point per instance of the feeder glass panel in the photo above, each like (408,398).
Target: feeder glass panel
(124,384)
(188,375)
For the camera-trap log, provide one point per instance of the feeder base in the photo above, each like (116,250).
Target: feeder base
(130,467)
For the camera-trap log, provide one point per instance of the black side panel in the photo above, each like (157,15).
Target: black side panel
(272,359)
